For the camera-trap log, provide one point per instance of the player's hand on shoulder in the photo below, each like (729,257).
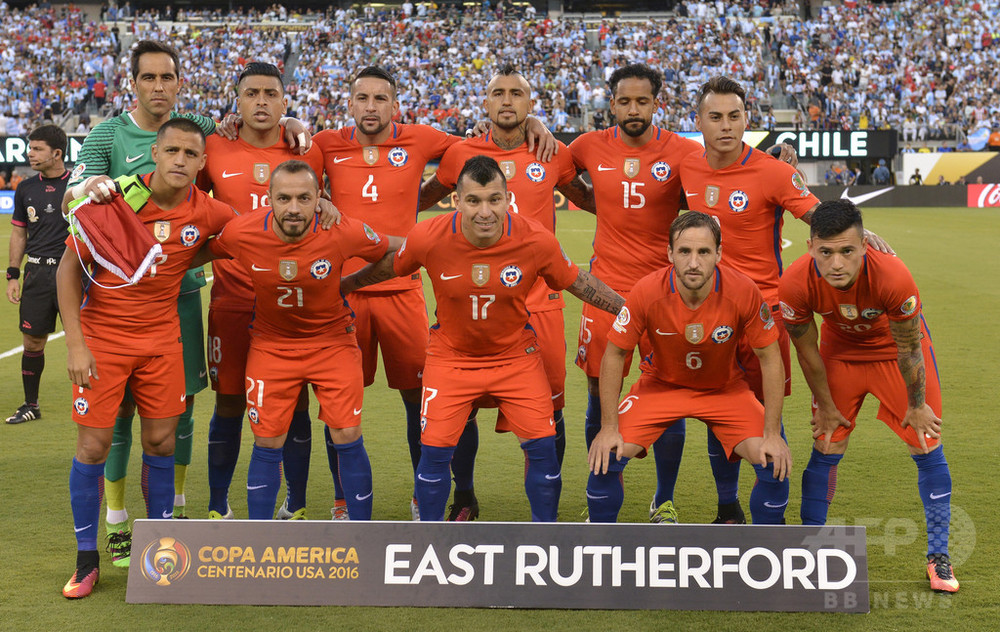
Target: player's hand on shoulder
(785,153)
(878,243)
(297,135)
(540,139)
(926,424)
(328,214)
(607,445)
(229,127)
(479,129)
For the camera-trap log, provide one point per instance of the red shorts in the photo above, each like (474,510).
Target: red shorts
(275,378)
(550,330)
(733,413)
(593,340)
(156,382)
(228,344)
(396,322)
(519,388)
(851,381)
(748,361)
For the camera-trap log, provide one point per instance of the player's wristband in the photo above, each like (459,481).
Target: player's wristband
(13,273)
(77,190)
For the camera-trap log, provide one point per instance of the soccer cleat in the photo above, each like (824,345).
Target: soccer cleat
(26,412)
(940,573)
(120,544)
(463,513)
(664,514)
(78,587)
(215,515)
(339,510)
(284,514)
(179,513)
(414,509)
(731,513)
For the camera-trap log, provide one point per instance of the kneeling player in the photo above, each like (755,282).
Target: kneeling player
(875,341)
(694,313)
(303,331)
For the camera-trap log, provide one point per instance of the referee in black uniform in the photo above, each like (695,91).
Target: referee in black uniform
(39,230)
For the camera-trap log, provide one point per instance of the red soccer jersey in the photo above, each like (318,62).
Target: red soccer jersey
(638,195)
(239,174)
(694,348)
(532,184)
(141,319)
(481,292)
(855,320)
(380,184)
(299,304)
(749,198)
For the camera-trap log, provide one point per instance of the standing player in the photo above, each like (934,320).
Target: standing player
(483,261)
(375,170)
(874,341)
(303,331)
(531,185)
(131,336)
(38,230)
(238,173)
(694,312)
(637,189)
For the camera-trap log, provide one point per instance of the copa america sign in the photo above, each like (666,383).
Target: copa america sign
(509,565)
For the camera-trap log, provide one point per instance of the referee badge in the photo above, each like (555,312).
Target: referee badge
(370,154)
(694,333)
(850,312)
(480,273)
(711,195)
(288,268)
(161,230)
(631,167)
(509,169)
(32,214)
(261,172)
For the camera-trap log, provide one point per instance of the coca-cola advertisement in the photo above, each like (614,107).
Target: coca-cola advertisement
(984,195)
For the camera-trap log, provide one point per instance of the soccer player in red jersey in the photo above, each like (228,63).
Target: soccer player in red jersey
(375,170)
(238,173)
(531,184)
(483,261)
(302,331)
(693,312)
(874,341)
(131,335)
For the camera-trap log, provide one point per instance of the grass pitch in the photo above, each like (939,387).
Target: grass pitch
(947,251)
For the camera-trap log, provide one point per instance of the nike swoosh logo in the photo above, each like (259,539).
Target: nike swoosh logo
(202,374)
(187,436)
(167,515)
(365,497)
(114,443)
(714,454)
(253,266)
(445,277)
(773,506)
(357,411)
(936,496)
(301,440)
(690,194)
(131,159)
(420,477)
(860,199)
(549,477)
(79,529)
(251,488)
(595,497)
(337,160)
(226,174)
(420,374)
(603,168)
(666,333)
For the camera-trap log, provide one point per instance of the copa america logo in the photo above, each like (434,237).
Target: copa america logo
(165,561)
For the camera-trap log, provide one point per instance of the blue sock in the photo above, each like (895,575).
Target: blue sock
(542,479)
(463,462)
(432,482)
(606,492)
(413,431)
(934,482)
(726,473)
(769,496)
(819,481)
(592,423)
(85,500)
(223,453)
(263,481)
(356,477)
(295,457)
(158,486)
(334,461)
(667,453)
(560,425)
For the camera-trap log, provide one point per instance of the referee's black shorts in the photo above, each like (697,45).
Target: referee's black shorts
(39,304)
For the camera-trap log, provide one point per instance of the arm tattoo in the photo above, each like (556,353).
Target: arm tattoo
(577,192)
(592,290)
(796,330)
(910,358)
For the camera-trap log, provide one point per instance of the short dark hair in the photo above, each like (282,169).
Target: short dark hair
(834,217)
(51,135)
(260,69)
(482,170)
(181,124)
(295,166)
(142,47)
(721,85)
(508,69)
(379,73)
(695,219)
(637,71)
